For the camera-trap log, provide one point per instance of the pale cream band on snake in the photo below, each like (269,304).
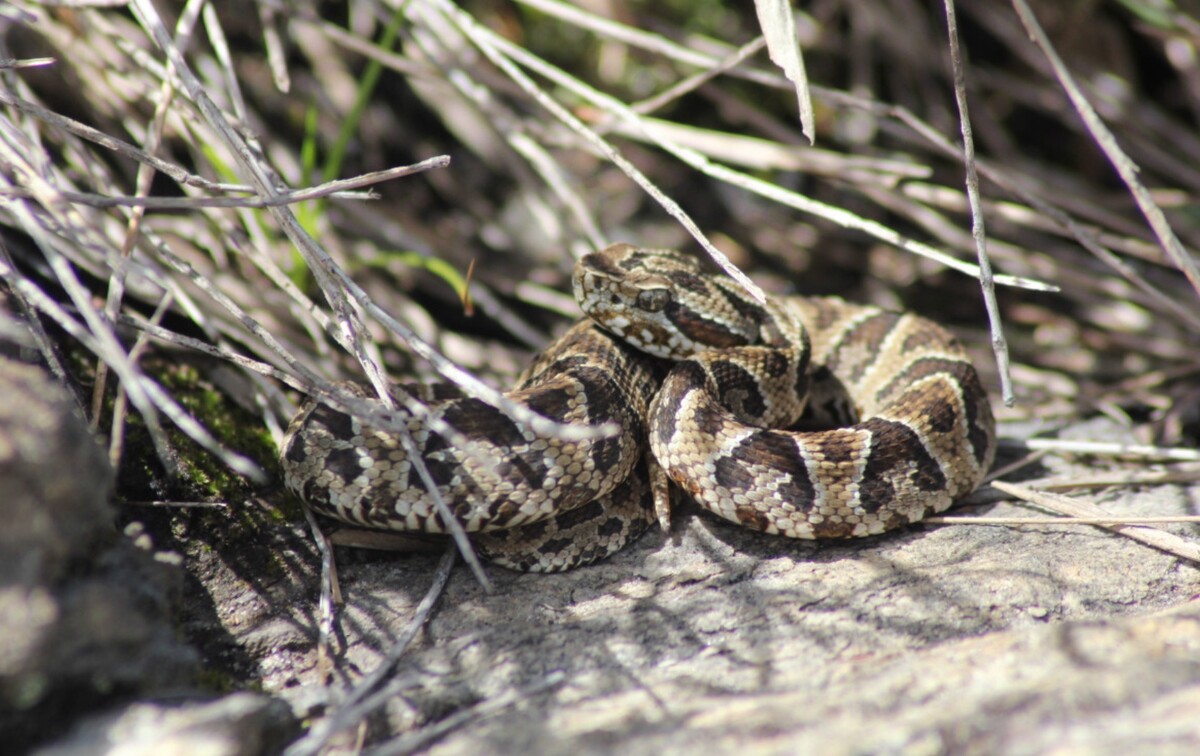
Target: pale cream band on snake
(915,430)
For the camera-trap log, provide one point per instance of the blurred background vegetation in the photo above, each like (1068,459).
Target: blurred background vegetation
(473,257)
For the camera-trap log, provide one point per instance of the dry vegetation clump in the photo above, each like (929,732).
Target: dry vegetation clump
(154,203)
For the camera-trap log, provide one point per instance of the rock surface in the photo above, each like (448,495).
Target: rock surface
(937,638)
(87,615)
(240,724)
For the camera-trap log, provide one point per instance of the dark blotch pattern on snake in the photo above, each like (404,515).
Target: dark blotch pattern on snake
(916,431)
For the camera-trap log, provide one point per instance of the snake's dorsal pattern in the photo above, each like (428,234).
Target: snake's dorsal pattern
(919,430)
(510,478)
(925,437)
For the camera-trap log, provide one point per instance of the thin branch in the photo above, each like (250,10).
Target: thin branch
(337,189)
(441,50)
(37,330)
(695,81)
(98,335)
(150,397)
(502,54)
(268,19)
(999,345)
(1159,539)
(649,41)
(13,63)
(360,702)
(421,738)
(758,186)
(118,146)
(1127,478)
(1141,451)
(331,595)
(1124,166)
(1113,520)
(120,404)
(336,285)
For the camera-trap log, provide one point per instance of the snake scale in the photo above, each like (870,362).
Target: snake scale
(803,417)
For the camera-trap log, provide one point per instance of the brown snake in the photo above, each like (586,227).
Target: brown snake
(914,430)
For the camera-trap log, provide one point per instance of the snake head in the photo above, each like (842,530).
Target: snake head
(661,302)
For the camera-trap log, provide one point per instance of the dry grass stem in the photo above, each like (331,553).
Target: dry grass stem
(986,280)
(1124,166)
(375,688)
(1142,451)
(1154,537)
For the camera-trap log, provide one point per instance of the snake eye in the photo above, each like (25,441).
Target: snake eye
(653,300)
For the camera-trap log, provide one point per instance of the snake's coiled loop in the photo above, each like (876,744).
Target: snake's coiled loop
(917,431)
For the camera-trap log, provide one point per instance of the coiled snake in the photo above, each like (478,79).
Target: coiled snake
(903,426)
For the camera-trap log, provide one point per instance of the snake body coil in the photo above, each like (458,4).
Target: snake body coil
(915,430)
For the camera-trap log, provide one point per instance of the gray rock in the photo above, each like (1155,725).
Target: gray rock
(714,638)
(241,724)
(54,480)
(84,615)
